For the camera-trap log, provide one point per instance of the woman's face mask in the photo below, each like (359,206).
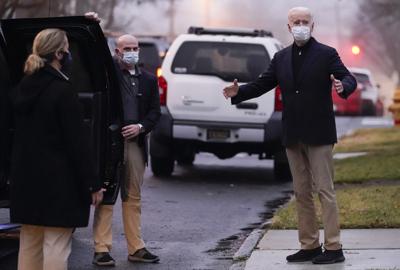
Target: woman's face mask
(66,61)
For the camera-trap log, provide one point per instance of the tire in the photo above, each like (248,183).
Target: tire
(186,160)
(162,166)
(282,171)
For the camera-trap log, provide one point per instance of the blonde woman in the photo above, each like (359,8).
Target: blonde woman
(53,181)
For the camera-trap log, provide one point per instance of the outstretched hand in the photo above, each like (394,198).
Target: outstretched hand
(232,90)
(337,84)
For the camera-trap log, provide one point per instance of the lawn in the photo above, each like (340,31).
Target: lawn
(373,200)
(365,207)
(382,160)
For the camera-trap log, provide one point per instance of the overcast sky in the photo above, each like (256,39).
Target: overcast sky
(333,21)
(260,14)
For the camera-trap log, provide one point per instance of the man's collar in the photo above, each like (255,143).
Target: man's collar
(305,46)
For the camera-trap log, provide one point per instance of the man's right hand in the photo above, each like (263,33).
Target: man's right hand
(97,197)
(232,90)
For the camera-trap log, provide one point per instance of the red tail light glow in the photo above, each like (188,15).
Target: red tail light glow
(278,99)
(162,88)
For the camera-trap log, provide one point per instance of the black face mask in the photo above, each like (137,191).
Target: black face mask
(66,62)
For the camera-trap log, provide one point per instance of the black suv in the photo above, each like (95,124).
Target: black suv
(93,77)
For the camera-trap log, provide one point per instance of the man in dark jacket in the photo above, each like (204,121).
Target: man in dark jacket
(141,111)
(305,72)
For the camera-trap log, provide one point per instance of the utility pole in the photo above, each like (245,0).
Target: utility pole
(207,12)
(338,24)
(171,14)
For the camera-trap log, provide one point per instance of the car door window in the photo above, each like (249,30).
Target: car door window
(4,128)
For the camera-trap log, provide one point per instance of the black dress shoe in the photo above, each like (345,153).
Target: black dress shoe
(304,255)
(329,256)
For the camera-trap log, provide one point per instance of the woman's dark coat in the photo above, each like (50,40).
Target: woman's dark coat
(52,175)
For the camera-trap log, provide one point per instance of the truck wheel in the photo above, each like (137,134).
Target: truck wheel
(186,160)
(162,166)
(282,171)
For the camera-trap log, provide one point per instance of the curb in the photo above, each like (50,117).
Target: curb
(248,245)
(245,250)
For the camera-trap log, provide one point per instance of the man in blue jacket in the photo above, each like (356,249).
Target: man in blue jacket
(305,72)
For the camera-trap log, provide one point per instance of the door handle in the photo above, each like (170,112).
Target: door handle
(247,105)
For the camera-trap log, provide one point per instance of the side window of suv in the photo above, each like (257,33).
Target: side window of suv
(78,72)
(80,77)
(4,122)
(221,59)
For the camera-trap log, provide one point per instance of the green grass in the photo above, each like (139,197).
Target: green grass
(370,140)
(366,207)
(381,162)
(368,204)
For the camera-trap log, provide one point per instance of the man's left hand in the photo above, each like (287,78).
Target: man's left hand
(337,84)
(130,131)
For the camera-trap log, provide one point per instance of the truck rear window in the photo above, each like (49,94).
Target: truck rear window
(225,60)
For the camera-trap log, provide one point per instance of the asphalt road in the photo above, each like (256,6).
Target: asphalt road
(199,217)
(185,217)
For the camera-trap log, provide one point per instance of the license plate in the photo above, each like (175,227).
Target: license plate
(218,134)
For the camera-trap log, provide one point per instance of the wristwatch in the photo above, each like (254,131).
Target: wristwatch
(141,128)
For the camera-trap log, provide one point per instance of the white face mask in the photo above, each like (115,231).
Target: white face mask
(130,58)
(301,33)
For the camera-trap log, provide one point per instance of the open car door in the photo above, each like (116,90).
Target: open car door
(92,76)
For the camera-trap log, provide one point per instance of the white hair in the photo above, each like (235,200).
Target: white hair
(301,9)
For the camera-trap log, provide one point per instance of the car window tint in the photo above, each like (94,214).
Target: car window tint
(364,80)
(4,75)
(222,59)
(149,57)
(78,72)
(5,117)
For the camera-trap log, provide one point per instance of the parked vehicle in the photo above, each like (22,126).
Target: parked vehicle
(93,77)
(364,101)
(195,115)
(351,106)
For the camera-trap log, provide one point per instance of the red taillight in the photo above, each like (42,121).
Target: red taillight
(162,88)
(278,99)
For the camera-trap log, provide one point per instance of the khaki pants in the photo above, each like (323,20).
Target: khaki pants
(44,248)
(131,208)
(312,170)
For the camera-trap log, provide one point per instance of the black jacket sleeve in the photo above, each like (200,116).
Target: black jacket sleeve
(153,113)
(77,141)
(338,69)
(264,83)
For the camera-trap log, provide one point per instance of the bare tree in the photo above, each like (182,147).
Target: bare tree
(41,8)
(377,32)
(8,7)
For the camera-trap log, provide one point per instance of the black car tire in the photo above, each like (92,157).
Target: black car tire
(186,160)
(162,166)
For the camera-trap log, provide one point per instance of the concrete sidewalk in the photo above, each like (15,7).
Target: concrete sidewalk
(364,249)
